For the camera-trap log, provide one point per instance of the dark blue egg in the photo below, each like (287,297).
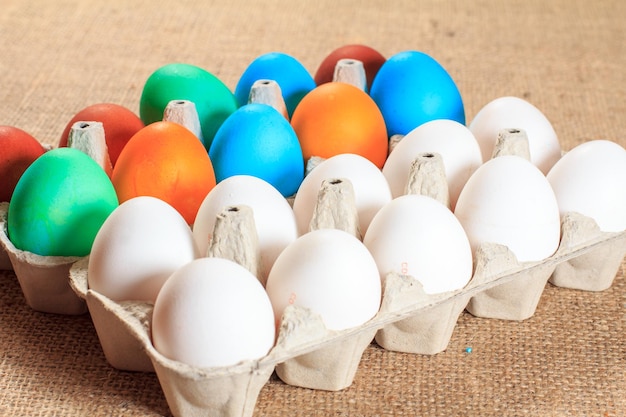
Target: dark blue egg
(412,88)
(257,140)
(292,77)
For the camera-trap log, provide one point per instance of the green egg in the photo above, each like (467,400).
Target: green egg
(179,81)
(59,204)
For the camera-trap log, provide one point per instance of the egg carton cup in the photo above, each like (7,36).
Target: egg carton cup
(5,261)
(306,353)
(591,271)
(44,280)
(586,259)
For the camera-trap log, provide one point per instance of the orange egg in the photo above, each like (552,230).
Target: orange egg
(336,118)
(167,161)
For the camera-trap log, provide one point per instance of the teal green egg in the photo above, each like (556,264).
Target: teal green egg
(59,204)
(179,81)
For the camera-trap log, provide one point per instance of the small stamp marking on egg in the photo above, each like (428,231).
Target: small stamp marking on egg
(292,298)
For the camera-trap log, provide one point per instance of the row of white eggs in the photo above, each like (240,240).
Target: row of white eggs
(146,251)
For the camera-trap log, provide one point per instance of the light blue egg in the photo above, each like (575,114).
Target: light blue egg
(292,77)
(412,88)
(257,140)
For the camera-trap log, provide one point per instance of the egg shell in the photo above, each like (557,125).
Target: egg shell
(167,161)
(119,124)
(338,118)
(213,312)
(181,81)
(257,140)
(330,272)
(514,112)
(59,204)
(371,190)
(590,179)
(452,140)
(18,149)
(412,88)
(510,202)
(372,61)
(274,219)
(292,77)
(132,257)
(418,236)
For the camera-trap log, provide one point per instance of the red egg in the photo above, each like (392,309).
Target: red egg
(372,60)
(18,149)
(119,125)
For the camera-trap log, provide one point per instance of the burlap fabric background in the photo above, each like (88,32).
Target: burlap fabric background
(566,57)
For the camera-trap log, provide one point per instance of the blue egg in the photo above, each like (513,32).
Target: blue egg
(257,140)
(292,77)
(412,88)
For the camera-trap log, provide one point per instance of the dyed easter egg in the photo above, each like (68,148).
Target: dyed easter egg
(59,204)
(412,88)
(119,125)
(213,100)
(166,161)
(292,77)
(338,118)
(18,149)
(372,61)
(257,140)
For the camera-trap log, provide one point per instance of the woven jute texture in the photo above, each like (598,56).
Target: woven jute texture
(567,57)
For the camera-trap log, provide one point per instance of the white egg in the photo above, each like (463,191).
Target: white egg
(137,248)
(591,180)
(371,190)
(273,216)
(510,202)
(417,236)
(213,312)
(452,140)
(513,112)
(329,272)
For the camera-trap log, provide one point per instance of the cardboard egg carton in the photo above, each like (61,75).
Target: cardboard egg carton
(307,354)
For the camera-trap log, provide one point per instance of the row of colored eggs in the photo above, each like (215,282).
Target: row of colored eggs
(336,118)
(253,141)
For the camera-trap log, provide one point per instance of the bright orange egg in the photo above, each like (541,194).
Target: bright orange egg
(167,161)
(337,118)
